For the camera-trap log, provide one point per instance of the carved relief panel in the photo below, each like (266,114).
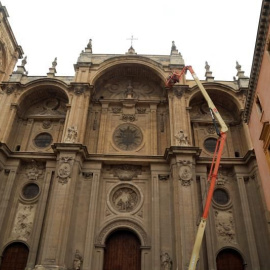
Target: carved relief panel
(23,222)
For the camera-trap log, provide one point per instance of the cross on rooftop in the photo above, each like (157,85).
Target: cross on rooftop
(131,39)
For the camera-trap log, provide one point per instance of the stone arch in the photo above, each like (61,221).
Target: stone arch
(129,60)
(122,224)
(221,96)
(40,87)
(232,256)
(40,115)
(11,242)
(15,254)
(3,57)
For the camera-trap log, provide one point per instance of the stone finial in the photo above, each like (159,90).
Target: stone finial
(173,48)
(52,70)
(89,46)
(240,73)
(21,68)
(54,63)
(24,61)
(208,74)
(131,51)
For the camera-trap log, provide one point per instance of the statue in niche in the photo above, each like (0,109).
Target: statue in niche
(166,262)
(182,138)
(129,92)
(72,134)
(77,260)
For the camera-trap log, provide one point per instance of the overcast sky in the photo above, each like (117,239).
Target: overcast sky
(217,31)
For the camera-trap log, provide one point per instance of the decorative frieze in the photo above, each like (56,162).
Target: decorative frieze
(116,110)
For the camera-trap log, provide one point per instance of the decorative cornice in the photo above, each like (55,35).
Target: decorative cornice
(257,57)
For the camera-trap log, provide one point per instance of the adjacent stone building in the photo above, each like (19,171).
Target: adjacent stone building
(107,169)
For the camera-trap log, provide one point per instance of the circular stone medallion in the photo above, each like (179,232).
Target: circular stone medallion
(127,137)
(125,198)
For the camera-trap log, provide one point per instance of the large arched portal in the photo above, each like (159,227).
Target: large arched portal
(230,259)
(14,257)
(122,251)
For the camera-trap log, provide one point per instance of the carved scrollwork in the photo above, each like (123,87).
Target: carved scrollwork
(116,109)
(64,170)
(46,124)
(163,177)
(126,172)
(141,110)
(128,117)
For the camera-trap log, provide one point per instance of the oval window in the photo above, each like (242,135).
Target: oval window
(30,191)
(210,144)
(221,196)
(43,140)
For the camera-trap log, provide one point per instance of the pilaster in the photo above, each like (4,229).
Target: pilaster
(185,210)
(254,259)
(103,125)
(55,245)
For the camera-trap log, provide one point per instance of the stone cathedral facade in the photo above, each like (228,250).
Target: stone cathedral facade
(107,169)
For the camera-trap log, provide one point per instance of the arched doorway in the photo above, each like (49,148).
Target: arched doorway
(122,251)
(14,257)
(229,259)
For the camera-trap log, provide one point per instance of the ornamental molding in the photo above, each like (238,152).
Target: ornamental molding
(185,172)
(125,224)
(127,172)
(64,169)
(128,117)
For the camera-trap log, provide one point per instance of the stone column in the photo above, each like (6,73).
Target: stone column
(102,127)
(185,208)
(155,218)
(178,113)
(7,190)
(153,124)
(40,215)
(9,122)
(211,243)
(26,137)
(78,111)
(89,262)
(56,245)
(255,265)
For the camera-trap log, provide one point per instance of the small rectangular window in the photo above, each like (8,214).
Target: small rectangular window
(259,106)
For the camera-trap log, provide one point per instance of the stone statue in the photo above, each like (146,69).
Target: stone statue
(72,134)
(173,46)
(166,262)
(182,138)
(77,260)
(89,46)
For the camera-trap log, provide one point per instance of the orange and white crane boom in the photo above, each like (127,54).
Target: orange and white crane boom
(171,80)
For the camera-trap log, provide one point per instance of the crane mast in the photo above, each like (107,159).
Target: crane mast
(171,80)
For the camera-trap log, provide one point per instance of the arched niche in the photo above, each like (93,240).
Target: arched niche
(202,124)
(40,119)
(137,80)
